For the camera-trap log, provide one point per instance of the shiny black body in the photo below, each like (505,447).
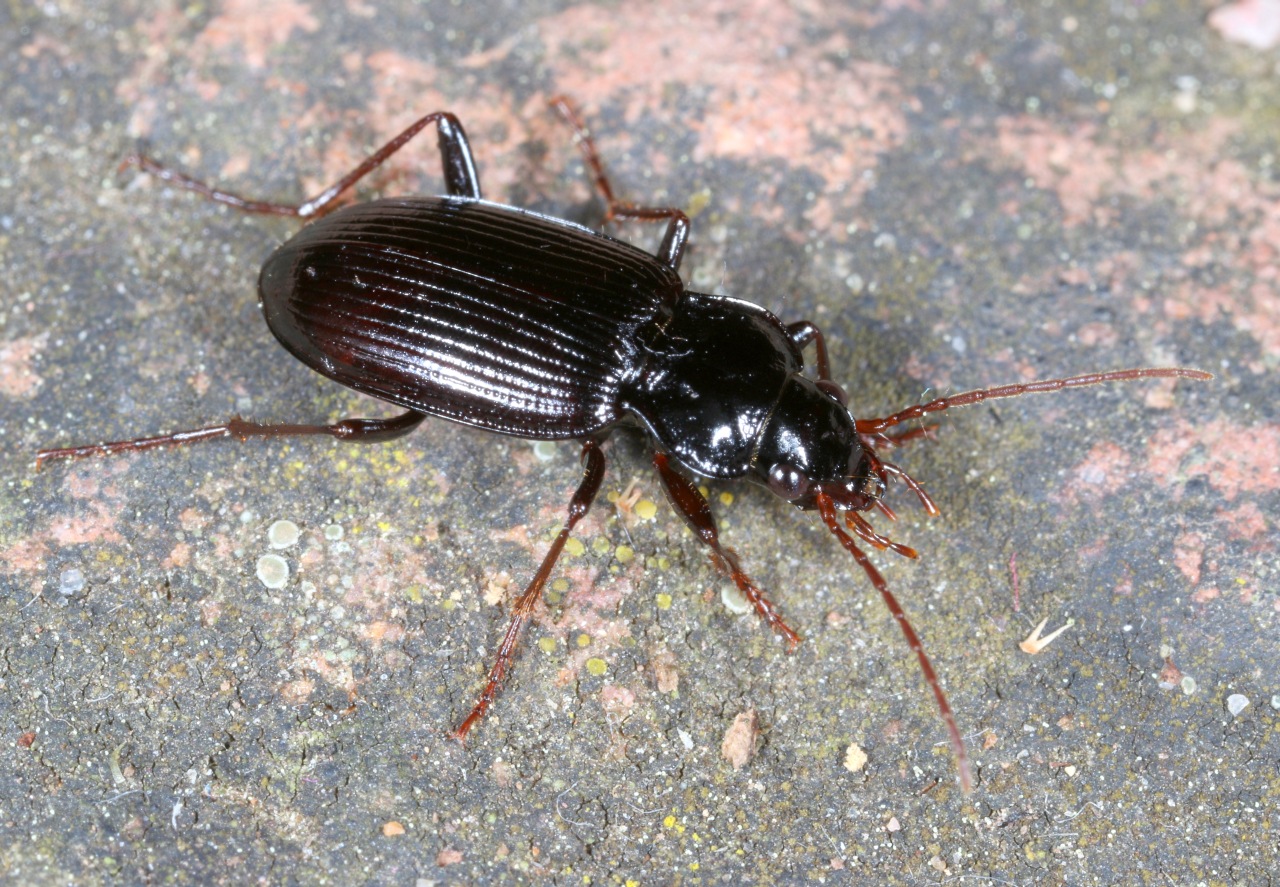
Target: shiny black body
(523,324)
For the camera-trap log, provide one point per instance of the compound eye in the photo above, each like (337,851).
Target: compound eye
(787,481)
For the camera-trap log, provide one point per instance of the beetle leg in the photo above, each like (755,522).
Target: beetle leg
(898,437)
(673,242)
(827,509)
(460,174)
(926,501)
(868,534)
(359,430)
(803,332)
(523,608)
(693,507)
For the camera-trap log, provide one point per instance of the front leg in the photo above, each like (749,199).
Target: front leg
(693,507)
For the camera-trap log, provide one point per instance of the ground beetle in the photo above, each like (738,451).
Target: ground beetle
(519,323)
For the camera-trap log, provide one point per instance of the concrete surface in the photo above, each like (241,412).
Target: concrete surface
(960,194)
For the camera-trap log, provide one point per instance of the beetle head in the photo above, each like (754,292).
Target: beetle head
(810,445)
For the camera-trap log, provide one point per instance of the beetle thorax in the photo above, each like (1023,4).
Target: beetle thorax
(711,379)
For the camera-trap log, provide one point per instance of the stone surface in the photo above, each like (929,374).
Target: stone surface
(960,195)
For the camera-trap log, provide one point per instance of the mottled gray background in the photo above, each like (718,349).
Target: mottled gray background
(960,194)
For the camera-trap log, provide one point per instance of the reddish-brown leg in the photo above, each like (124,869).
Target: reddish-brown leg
(868,534)
(827,509)
(523,608)
(673,242)
(876,426)
(898,437)
(460,174)
(926,501)
(356,430)
(802,332)
(693,507)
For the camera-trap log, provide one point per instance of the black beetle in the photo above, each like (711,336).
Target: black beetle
(519,323)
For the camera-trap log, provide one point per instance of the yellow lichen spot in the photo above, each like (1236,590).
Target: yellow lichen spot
(596,667)
(384,526)
(601,545)
(447,604)
(561,585)
(645,510)
(693,866)
(631,882)
(583,640)
(547,645)
(613,496)
(574,547)
(625,554)
(704,491)
(663,600)
(698,201)
(669,821)
(413,594)
(726,498)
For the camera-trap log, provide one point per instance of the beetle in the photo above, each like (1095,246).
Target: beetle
(518,323)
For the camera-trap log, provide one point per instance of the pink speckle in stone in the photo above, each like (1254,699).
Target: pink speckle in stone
(18,378)
(381,631)
(1252,23)
(1188,554)
(192,519)
(1206,594)
(1103,471)
(96,526)
(25,556)
(337,675)
(255,27)
(765,70)
(1244,521)
(1096,334)
(180,556)
(1234,458)
(617,701)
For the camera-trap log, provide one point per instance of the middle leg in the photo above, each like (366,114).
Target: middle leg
(696,512)
(523,608)
(673,242)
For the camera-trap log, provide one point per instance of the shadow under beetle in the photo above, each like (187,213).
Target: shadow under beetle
(514,322)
